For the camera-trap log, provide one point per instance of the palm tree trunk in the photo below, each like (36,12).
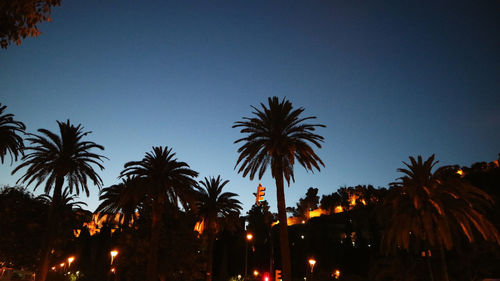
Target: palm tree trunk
(283,227)
(444,266)
(47,240)
(210,256)
(154,243)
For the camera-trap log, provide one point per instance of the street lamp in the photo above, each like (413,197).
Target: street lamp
(336,274)
(312,262)
(70,260)
(249,238)
(113,254)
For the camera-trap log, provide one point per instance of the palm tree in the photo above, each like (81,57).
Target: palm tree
(10,140)
(122,199)
(430,208)
(166,180)
(55,159)
(215,209)
(277,136)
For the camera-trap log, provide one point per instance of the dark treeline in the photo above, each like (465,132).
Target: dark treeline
(161,222)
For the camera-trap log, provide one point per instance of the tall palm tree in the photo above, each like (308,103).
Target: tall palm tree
(55,159)
(430,208)
(216,209)
(10,139)
(166,181)
(276,136)
(122,199)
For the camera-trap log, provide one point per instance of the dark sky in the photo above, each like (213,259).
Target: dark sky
(389,79)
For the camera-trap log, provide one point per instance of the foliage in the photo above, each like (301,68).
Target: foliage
(21,217)
(306,204)
(277,136)
(431,207)
(52,157)
(19,19)
(10,130)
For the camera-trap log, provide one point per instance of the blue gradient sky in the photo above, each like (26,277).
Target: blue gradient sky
(389,79)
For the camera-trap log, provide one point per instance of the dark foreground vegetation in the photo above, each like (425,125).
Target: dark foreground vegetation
(162,223)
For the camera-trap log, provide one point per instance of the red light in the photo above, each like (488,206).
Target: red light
(266,277)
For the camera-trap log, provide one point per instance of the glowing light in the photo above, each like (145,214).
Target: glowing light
(113,270)
(312,262)
(113,254)
(256,273)
(70,260)
(249,236)
(460,172)
(62,264)
(338,209)
(336,274)
(200,226)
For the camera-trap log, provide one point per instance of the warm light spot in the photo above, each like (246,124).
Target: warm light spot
(460,172)
(336,274)
(200,226)
(338,209)
(113,270)
(76,232)
(316,213)
(275,223)
(70,260)
(255,273)
(312,261)
(363,201)
(62,264)
(53,268)
(249,236)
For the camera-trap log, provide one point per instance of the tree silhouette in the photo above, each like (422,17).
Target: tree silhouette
(19,19)
(55,159)
(217,210)
(430,208)
(277,136)
(10,140)
(166,181)
(122,199)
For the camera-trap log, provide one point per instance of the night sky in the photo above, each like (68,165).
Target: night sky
(389,79)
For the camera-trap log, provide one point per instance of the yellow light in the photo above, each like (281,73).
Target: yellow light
(336,274)
(338,209)
(249,236)
(54,268)
(113,269)
(61,265)
(312,262)
(70,260)
(113,254)
(460,172)
(255,273)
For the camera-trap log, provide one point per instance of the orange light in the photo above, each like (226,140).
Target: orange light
(70,260)
(312,262)
(200,226)
(336,274)
(113,254)
(53,268)
(249,236)
(260,194)
(460,172)
(113,269)
(338,209)
(62,264)
(256,273)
